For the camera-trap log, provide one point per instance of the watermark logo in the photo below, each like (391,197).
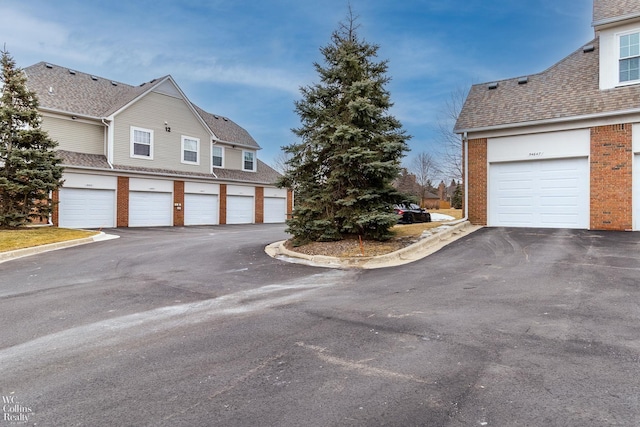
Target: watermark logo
(15,411)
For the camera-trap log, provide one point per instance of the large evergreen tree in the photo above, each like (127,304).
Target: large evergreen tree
(29,168)
(350,147)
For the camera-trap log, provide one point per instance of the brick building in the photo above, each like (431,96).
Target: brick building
(561,148)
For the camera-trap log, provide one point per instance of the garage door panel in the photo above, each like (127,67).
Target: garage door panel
(275,210)
(555,193)
(86,208)
(239,209)
(200,209)
(150,209)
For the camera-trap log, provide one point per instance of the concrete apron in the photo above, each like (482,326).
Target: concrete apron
(430,242)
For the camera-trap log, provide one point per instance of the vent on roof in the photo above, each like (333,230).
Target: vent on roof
(114,83)
(94,78)
(72,72)
(215,117)
(588,48)
(523,80)
(48,65)
(493,85)
(143,84)
(152,81)
(225,119)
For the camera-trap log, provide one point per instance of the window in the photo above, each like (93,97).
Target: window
(141,143)
(218,156)
(629,57)
(190,150)
(249,162)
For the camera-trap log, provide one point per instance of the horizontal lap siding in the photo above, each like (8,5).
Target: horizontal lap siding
(151,112)
(73,135)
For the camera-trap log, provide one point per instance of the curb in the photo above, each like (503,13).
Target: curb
(19,253)
(430,242)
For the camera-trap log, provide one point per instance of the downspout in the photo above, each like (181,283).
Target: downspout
(465,143)
(109,142)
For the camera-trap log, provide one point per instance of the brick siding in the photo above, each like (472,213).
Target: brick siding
(178,198)
(223,204)
(122,209)
(55,213)
(289,204)
(611,177)
(477,176)
(259,201)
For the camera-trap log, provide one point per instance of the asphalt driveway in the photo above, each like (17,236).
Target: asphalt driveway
(198,327)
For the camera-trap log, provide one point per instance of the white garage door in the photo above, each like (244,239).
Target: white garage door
(239,209)
(149,209)
(275,209)
(86,208)
(200,209)
(542,193)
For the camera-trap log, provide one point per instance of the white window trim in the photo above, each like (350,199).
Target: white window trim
(137,156)
(197,140)
(255,161)
(222,155)
(618,59)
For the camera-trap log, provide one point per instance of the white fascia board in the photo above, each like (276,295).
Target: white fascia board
(538,123)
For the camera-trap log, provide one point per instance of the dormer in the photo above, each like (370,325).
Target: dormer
(617,23)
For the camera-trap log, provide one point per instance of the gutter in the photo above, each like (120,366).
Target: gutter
(109,141)
(550,121)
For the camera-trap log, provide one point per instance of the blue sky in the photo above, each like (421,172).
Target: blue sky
(247,59)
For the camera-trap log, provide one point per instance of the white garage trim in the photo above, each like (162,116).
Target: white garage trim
(635,195)
(539,193)
(200,209)
(240,209)
(86,208)
(150,209)
(275,210)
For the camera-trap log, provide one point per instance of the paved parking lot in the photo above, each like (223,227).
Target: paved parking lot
(198,327)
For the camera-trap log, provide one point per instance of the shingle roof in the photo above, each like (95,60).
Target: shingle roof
(226,129)
(569,88)
(263,175)
(62,89)
(608,10)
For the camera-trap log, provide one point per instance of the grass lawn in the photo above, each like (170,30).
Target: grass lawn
(26,237)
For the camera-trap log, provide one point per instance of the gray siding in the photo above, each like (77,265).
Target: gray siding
(151,112)
(233,158)
(74,135)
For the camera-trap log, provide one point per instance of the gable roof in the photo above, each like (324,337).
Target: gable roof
(226,130)
(609,11)
(66,90)
(567,90)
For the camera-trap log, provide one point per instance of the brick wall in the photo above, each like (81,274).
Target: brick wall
(55,212)
(611,177)
(178,198)
(477,177)
(223,204)
(122,209)
(289,204)
(259,208)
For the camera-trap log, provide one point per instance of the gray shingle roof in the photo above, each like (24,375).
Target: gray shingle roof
(61,89)
(569,88)
(226,129)
(263,175)
(608,10)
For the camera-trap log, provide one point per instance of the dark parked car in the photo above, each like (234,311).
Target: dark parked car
(408,213)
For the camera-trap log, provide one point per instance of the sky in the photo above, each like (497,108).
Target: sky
(248,59)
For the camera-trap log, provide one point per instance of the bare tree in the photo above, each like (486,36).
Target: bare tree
(450,142)
(281,162)
(424,167)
